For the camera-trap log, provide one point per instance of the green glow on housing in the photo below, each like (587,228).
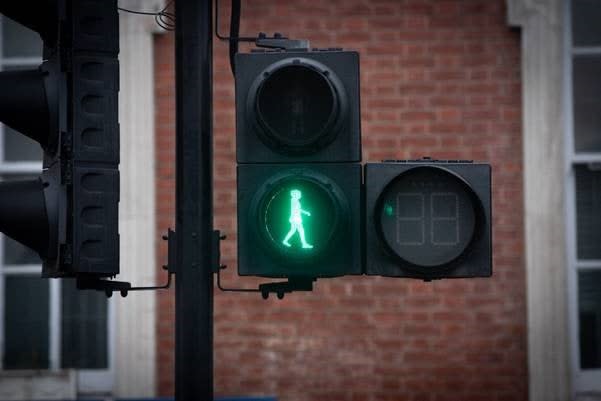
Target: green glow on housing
(296,220)
(388,209)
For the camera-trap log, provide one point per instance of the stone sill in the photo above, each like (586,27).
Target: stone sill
(17,385)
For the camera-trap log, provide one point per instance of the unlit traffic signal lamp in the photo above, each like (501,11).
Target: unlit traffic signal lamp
(69,215)
(298,107)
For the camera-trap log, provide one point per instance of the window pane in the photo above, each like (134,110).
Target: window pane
(21,67)
(17,254)
(587,103)
(84,328)
(26,325)
(18,41)
(586,30)
(18,147)
(588,212)
(589,305)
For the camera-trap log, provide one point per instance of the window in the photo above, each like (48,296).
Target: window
(583,156)
(44,323)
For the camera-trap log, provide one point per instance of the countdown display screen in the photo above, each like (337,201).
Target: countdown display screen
(427,216)
(298,216)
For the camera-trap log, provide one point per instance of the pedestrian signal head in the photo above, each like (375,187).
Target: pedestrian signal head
(299,221)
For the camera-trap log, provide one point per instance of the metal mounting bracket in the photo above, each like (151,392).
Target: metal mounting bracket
(285,287)
(123,287)
(278,41)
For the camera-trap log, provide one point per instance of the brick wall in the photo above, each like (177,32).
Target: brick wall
(440,78)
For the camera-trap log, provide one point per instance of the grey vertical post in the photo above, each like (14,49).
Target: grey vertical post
(194,209)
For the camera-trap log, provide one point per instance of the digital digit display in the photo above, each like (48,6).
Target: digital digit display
(298,217)
(427,216)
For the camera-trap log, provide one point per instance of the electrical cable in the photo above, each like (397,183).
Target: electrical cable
(163,18)
(228,38)
(234,32)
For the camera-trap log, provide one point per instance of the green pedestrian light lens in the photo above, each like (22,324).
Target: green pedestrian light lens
(298,216)
(296,220)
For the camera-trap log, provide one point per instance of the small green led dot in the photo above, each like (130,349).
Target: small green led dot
(388,210)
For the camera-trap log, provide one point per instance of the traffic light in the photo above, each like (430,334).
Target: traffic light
(69,215)
(428,219)
(298,148)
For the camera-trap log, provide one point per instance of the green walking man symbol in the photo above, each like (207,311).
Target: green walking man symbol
(296,220)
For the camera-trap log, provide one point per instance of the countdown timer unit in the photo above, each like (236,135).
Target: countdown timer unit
(428,219)
(299,220)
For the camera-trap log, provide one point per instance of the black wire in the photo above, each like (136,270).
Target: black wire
(170,18)
(163,18)
(136,12)
(234,32)
(228,38)
(167,23)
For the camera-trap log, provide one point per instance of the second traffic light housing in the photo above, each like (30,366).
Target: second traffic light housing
(428,219)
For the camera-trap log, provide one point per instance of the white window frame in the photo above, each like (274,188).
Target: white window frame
(89,381)
(588,380)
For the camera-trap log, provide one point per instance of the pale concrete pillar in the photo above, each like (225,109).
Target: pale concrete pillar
(135,328)
(542,24)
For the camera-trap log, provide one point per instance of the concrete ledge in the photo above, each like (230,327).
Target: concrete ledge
(17,385)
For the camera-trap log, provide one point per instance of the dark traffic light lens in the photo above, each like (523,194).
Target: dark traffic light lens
(298,217)
(297,107)
(427,217)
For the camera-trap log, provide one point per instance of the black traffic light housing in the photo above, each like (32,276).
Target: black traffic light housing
(69,105)
(298,106)
(298,143)
(428,219)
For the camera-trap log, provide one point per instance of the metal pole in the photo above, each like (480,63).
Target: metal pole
(194,202)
